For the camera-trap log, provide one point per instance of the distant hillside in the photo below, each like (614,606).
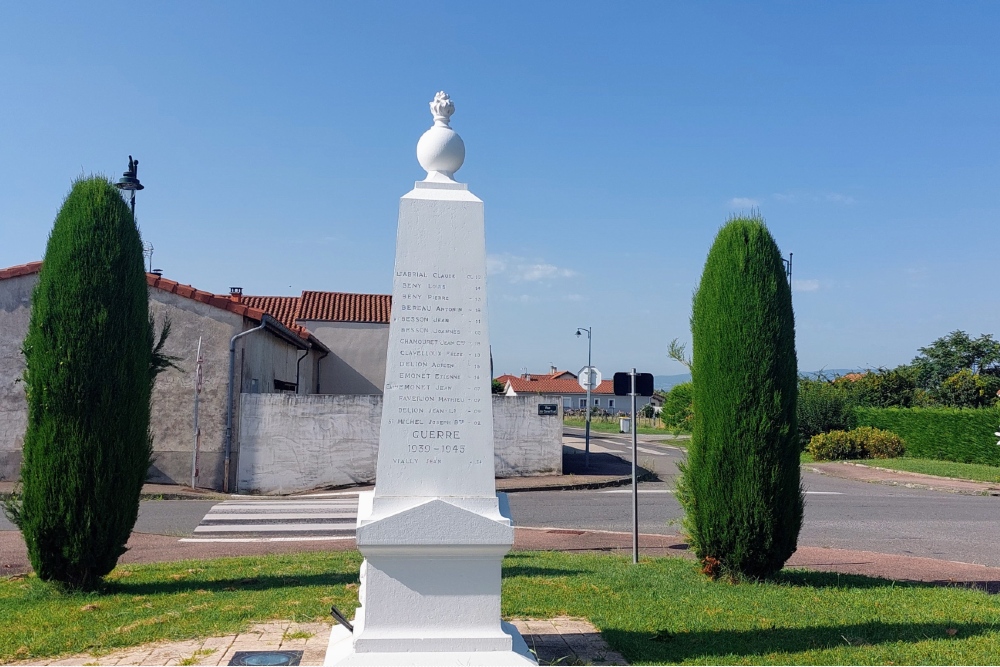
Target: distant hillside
(665,382)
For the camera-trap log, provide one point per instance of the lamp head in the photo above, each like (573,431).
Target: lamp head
(578,333)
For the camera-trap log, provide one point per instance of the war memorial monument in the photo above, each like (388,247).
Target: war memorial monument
(434,531)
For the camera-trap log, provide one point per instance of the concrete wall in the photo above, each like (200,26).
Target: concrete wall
(172,419)
(15,311)
(356,363)
(526,443)
(294,443)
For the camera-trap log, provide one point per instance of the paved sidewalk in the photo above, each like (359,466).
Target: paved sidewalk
(556,641)
(870,472)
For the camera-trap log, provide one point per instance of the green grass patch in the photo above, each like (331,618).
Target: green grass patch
(976,472)
(173,601)
(612,426)
(661,611)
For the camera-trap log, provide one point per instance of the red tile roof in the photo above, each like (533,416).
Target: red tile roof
(186,291)
(327,306)
(20,270)
(548,385)
(342,307)
(282,308)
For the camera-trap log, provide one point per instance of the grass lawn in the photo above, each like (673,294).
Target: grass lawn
(661,611)
(612,426)
(974,471)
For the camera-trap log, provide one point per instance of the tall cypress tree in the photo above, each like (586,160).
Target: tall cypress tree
(740,486)
(87,448)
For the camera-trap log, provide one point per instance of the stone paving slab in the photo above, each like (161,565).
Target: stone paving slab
(557,641)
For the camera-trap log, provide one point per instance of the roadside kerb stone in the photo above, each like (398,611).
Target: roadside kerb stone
(863,472)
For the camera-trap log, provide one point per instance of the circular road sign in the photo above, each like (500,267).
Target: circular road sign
(589,376)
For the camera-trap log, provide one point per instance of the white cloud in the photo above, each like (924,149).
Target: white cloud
(805,285)
(743,202)
(521,269)
(818,197)
(838,198)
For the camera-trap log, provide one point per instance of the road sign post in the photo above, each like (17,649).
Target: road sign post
(589,378)
(635,481)
(634,384)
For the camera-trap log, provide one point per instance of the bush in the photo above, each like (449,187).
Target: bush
(822,406)
(88,380)
(882,388)
(965,389)
(677,408)
(947,434)
(740,485)
(860,443)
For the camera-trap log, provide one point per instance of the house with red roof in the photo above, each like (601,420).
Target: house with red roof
(563,387)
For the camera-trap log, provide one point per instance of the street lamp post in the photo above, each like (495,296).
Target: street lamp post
(129,182)
(590,383)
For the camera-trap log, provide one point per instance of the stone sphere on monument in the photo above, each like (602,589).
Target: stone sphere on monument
(440,150)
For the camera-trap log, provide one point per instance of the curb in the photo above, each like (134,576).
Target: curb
(988,491)
(623,480)
(643,476)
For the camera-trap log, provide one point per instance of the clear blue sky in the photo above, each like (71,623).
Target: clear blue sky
(608,140)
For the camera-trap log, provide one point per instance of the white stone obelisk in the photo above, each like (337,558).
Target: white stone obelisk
(434,531)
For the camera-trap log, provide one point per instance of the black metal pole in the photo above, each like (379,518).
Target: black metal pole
(590,384)
(635,485)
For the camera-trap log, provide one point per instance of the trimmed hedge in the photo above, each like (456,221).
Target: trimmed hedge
(964,435)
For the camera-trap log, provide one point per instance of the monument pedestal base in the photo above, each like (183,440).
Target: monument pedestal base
(341,652)
(430,585)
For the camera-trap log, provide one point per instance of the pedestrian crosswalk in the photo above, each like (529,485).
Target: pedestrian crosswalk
(299,519)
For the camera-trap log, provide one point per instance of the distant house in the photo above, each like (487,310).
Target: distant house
(563,387)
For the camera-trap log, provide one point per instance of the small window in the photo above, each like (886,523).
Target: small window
(611,403)
(282,386)
(583,402)
(597,402)
(567,403)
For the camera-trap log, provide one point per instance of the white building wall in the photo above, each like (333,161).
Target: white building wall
(356,363)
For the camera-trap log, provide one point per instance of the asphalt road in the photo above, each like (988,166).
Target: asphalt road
(839,513)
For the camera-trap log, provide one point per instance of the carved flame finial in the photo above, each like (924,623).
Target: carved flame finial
(442,108)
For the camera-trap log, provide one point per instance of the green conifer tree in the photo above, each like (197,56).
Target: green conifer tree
(740,486)
(89,376)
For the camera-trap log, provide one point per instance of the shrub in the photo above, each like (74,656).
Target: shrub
(860,443)
(948,434)
(88,381)
(677,408)
(965,389)
(822,406)
(883,388)
(740,485)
